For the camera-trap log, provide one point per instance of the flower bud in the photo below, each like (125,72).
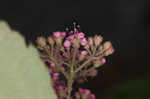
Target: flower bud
(63,34)
(103,60)
(84,52)
(77,95)
(75,42)
(90,41)
(52,64)
(55,76)
(83,42)
(98,63)
(61,92)
(51,41)
(80,35)
(57,34)
(82,55)
(86,46)
(87,92)
(107,45)
(71,37)
(109,51)
(92,96)
(67,44)
(81,91)
(100,48)
(41,41)
(92,73)
(97,40)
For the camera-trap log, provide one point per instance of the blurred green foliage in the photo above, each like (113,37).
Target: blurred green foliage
(22,73)
(132,89)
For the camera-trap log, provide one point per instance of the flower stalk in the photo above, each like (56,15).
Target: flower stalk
(75,57)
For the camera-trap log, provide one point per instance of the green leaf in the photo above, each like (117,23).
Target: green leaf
(22,73)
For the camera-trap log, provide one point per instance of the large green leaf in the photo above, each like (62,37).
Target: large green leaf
(22,73)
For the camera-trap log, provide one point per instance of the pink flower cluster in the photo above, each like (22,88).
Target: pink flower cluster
(58,84)
(84,94)
(63,50)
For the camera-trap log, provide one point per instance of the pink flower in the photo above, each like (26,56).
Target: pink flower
(55,76)
(63,33)
(81,90)
(52,64)
(67,43)
(87,92)
(83,42)
(57,34)
(92,96)
(84,52)
(111,48)
(60,87)
(103,60)
(80,35)
(71,37)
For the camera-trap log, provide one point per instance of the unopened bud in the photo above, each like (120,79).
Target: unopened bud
(63,34)
(83,42)
(57,34)
(75,42)
(67,43)
(84,52)
(109,51)
(92,73)
(92,96)
(77,95)
(61,92)
(98,40)
(41,41)
(90,41)
(98,63)
(86,46)
(100,48)
(80,35)
(51,41)
(58,40)
(87,92)
(107,45)
(83,55)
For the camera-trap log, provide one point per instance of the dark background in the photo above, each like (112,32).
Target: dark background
(124,22)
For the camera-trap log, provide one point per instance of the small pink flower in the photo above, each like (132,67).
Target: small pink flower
(84,52)
(87,92)
(111,48)
(80,35)
(60,87)
(103,60)
(81,90)
(55,76)
(57,34)
(67,43)
(52,64)
(71,37)
(63,33)
(83,42)
(92,96)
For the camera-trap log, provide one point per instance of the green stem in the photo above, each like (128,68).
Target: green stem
(69,86)
(54,60)
(84,64)
(70,79)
